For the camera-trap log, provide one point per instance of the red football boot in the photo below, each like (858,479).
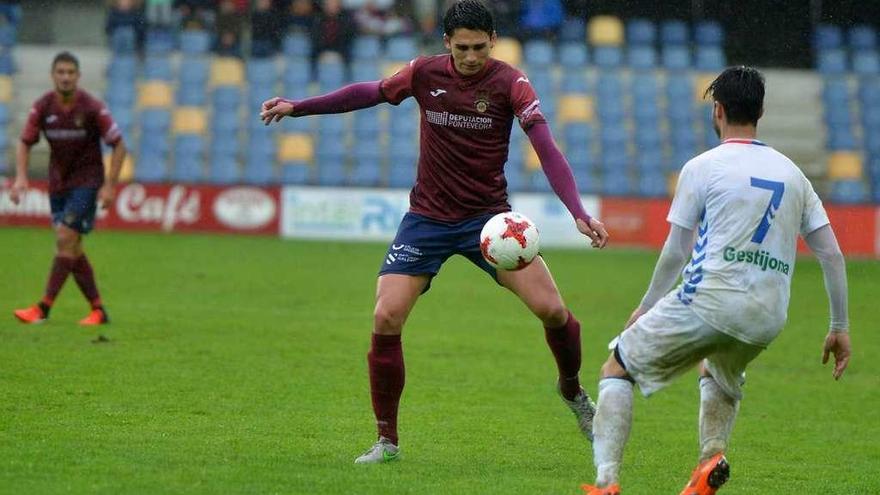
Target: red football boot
(595,490)
(31,315)
(97,317)
(708,476)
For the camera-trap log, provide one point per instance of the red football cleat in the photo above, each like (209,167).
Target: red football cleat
(708,476)
(96,317)
(595,490)
(30,315)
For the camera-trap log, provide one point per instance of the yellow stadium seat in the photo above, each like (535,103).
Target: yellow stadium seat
(575,108)
(296,148)
(127,171)
(605,30)
(508,50)
(530,157)
(189,120)
(845,165)
(701,84)
(5,89)
(155,94)
(227,71)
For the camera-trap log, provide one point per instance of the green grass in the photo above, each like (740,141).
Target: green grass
(237,365)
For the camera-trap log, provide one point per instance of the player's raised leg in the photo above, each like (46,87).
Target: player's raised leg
(396,294)
(535,287)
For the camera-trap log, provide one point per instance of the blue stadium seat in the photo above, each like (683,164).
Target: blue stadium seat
(648,138)
(228,123)
(189,145)
(831,61)
(332,126)
(193,70)
(367,124)
(367,171)
(841,139)
(641,32)
(573,29)
(401,48)
(835,92)
(827,36)
(837,116)
(4,114)
(513,173)
(679,89)
(123,67)
(646,114)
(296,173)
(158,67)
(154,120)
(649,160)
(677,160)
(124,117)
(191,95)
(159,42)
(613,137)
(608,57)
(402,174)
(123,40)
(224,170)
(365,70)
(709,33)
(331,173)
(869,91)
(609,86)
(187,168)
(224,146)
(262,72)
(295,125)
(674,33)
(580,156)
(195,42)
(862,37)
(578,132)
(676,57)
(537,182)
(297,46)
(120,93)
(652,184)
(611,112)
(683,139)
(617,184)
(366,47)
(331,75)
(866,62)
(151,166)
(262,48)
(710,58)
(871,119)
(7,63)
(260,166)
(226,98)
(573,55)
(644,87)
(538,53)
(587,182)
(258,93)
(849,191)
(574,81)
(641,57)
(297,77)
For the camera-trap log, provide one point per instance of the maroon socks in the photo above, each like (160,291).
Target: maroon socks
(82,273)
(565,342)
(61,268)
(386,382)
(85,279)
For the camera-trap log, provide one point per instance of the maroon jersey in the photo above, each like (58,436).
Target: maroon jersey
(74,133)
(465,133)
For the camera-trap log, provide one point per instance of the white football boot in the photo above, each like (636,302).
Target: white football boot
(382,451)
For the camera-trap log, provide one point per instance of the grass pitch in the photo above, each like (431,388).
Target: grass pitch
(237,365)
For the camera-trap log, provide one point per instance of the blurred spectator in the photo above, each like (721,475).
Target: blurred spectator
(159,13)
(229,24)
(333,30)
(576,8)
(196,14)
(126,14)
(382,17)
(10,11)
(541,18)
(301,16)
(267,27)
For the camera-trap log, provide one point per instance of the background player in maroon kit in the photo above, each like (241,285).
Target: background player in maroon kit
(468,103)
(74,124)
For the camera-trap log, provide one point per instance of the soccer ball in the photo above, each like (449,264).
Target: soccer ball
(509,241)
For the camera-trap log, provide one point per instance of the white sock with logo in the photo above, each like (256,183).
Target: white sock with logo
(611,428)
(717,414)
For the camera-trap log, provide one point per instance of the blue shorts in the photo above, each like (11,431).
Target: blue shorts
(422,245)
(75,208)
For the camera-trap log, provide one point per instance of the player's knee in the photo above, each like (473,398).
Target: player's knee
(613,368)
(67,241)
(388,320)
(553,314)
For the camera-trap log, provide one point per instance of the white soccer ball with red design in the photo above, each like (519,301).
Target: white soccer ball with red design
(509,241)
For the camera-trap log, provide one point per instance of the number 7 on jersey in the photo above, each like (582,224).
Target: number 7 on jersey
(778,189)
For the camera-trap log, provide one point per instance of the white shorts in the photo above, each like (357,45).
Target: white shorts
(670,339)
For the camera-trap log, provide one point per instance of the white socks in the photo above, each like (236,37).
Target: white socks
(611,428)
(717,414)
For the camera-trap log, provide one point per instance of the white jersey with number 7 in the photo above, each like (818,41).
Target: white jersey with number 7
(747,203)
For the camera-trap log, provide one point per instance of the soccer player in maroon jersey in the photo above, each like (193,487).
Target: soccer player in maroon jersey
(74,124)
(468,103)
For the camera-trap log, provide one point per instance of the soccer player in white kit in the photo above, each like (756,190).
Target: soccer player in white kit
(735,218)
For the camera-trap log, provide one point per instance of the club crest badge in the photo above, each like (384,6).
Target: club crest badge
(482,101)
(78,120)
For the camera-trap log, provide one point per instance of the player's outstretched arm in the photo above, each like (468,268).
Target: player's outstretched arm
(348,99)
(823,244)
(676,250)
(562,181)
(20,185)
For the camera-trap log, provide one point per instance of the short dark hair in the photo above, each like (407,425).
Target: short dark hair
(468,14)
(65,57)
(740,90)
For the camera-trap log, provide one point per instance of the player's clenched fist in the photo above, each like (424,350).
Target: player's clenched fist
(274,109)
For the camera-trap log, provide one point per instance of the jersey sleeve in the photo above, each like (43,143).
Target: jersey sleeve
(107,126)
(524,100)
(690,198)
(30,134)
(814,215)
(399,87)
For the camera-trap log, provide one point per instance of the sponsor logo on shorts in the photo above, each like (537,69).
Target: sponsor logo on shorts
(761,259)
(403,253)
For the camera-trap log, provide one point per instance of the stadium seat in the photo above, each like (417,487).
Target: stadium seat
(652,184)
(862,37)
(710,58)
(849,191)
(367,172)
(297,46)
(641,57)
(679,89)
(574,81)
(866,62)
(648,138)
(123,40)
(226,99)
(258,93)
(646,114)
(296,173)
(617,184)
(365,70)
(194,70)
(674,32)
(224,170)
(122,66)
(845,165)
(608,57)
(709,33)
(192,95)
(402,174)
(367,124)
(227,71)
(227,124)
(332,126)
(676,57)
(871,119)
(836,92)
(195,42)
(124,117)
(872,143)
(605,30)
(402,48)
(573,55)
(641,32)
(644,86)
(4,114)
(293,125)
(573,29)
(838,116)
(831,61)
(538,54)
(827,36)
(331,173)
(224,145)
(159,42)
(5,89)
(869,91)
(7,63)
(366,47)
(841,139)
(158,67)
(154,140)
(331,74)
(262,72)
(508,50)
(189,120)
(154,94)
(150,167)
(297,77)
(296,148)
(259,170)
(649,160)
(578,134)
(575,108)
